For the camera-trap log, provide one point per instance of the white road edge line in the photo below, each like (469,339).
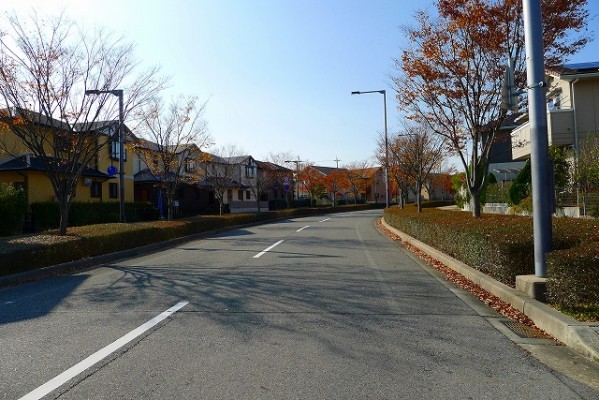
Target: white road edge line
(268,249)
(98,356)
(326,219)
(301,229)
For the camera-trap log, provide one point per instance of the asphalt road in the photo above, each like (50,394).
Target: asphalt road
(309,308)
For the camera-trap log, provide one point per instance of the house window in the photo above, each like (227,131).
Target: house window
(189,165)
(240,195)
(113,190)
(115,150)
(229,194)
(248,194)
(249,171)
(96,189)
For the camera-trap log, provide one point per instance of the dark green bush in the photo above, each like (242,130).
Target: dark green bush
(47,216)
(521,186)
(503,247)
(573,275)
(13,205)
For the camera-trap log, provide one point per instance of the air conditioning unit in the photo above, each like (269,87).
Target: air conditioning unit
(87,182)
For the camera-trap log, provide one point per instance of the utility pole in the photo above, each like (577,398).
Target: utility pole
(335,183)
(540,168)
(297,163)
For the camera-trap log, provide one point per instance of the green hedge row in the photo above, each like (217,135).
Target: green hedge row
(573,276)
(502,247)
(28,252)
(46,215)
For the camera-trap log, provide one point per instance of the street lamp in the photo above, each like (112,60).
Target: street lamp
(297,163)
(386,166)
(119,94)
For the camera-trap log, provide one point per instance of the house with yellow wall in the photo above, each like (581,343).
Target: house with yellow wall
(98,182)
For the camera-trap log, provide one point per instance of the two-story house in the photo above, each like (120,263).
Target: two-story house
(171,173)
(572,109)
(56,146)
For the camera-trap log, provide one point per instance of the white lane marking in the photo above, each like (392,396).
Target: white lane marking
(301,229)
(98,356)
(326,219)
(268,249)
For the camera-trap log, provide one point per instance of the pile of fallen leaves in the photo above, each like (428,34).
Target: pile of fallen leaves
(483,295)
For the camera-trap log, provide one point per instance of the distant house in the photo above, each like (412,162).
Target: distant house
(275,184)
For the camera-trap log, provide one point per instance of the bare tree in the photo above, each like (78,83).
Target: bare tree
(357,177)
(422,153)
(174,137)
(220,172)
(287,170)
(46,65)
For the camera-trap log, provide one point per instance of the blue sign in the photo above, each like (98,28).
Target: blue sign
(111,170)
(286,187)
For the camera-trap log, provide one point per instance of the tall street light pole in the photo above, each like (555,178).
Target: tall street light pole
(119,94)
(297,163)
(386,166)
(539,158)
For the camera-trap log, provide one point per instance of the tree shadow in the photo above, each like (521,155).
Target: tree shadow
(31,302)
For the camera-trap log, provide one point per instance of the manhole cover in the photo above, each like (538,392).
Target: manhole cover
(524,331)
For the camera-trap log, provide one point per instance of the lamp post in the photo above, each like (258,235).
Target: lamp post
(119,94)
(297,163)
(386,166)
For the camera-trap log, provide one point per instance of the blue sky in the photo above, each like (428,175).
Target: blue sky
(277,73)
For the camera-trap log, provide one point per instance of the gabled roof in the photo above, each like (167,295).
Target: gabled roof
(325,170)
(26,162)
(271,166)
(237,159)
(574,71)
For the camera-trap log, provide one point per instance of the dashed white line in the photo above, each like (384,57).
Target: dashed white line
(301,229)
(268,249)
(323,220)
(98,356)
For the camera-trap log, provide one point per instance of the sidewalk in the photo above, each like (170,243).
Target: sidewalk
(579,336)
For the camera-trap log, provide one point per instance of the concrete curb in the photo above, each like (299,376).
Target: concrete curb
(579,336)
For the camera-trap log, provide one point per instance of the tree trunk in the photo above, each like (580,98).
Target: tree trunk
(418,199)
(169,208)
(63,206)
(475,204)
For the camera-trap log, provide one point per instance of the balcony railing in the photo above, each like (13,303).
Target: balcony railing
(560,132)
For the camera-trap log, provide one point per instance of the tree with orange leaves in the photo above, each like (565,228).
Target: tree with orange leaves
(313,181)
(451,72)
(336,182)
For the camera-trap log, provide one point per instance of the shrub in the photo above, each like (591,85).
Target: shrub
(573,275)
(521,186)
(13,205)
(46,215)
(502,247)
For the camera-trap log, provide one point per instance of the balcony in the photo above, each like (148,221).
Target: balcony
(560,132)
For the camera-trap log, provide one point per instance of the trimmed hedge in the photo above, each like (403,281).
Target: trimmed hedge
(28,252)
(46,215)
(573,276)
(502,247)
